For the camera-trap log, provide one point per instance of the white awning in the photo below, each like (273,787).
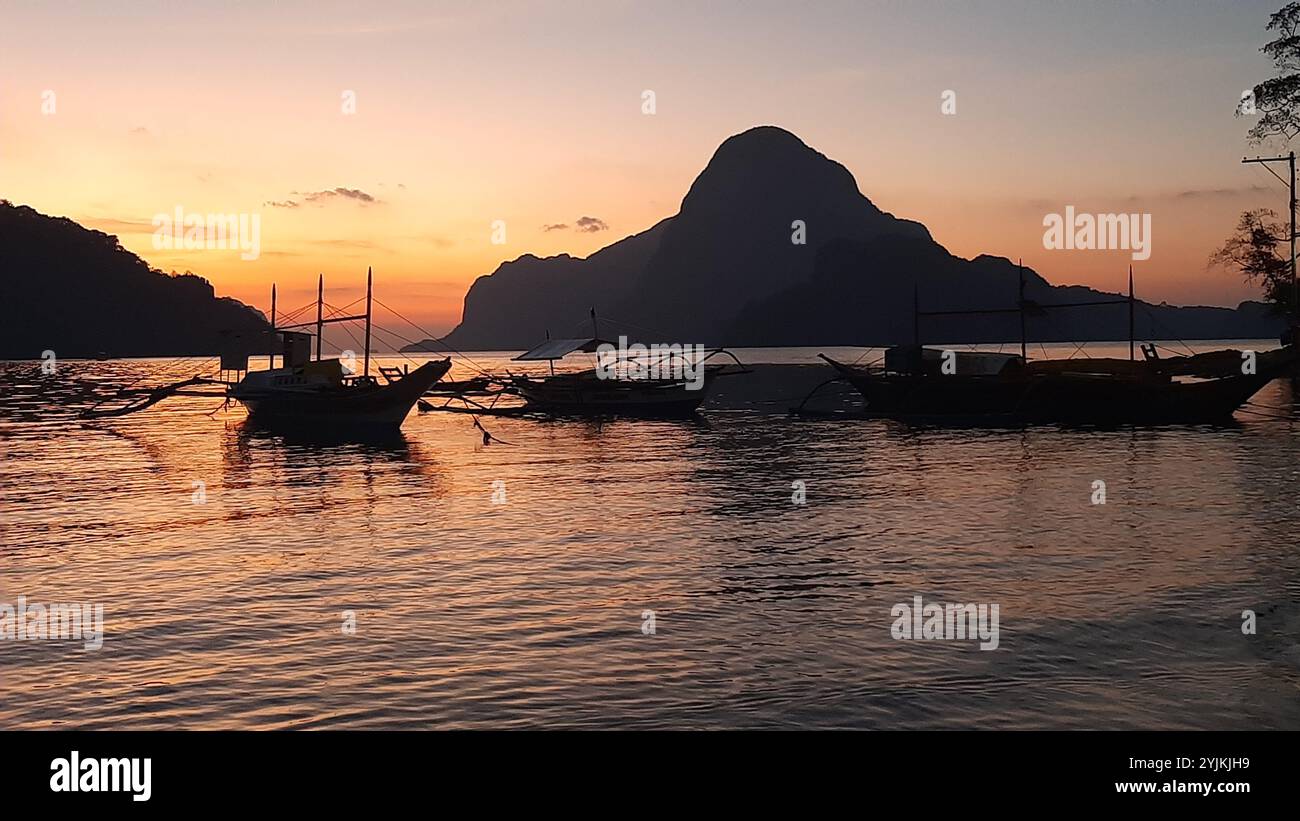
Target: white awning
(560,348)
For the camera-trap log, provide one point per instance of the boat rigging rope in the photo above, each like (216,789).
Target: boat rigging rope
(345,307)
(1078,348)
(488,437)
(1174,337)
(434,338)
(374,329)
(291,315)
(397,349)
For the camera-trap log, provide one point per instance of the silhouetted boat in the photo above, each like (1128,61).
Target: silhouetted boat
(656,382)
(933,384)
(319,393)
(304,393)
(598,391)
(1006,388)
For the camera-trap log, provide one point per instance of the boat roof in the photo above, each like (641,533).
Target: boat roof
(931,354)
(560,348)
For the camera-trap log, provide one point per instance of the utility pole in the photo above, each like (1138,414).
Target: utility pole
(1289,159)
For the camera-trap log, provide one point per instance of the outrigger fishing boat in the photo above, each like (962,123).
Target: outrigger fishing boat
(661,381)
(303,393)
(306,392)
(622,388)
(988,387)
(930,384)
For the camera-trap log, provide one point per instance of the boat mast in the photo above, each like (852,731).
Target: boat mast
(272,352)
(320,312)
(370,278)
(1131,331)
(1024,353)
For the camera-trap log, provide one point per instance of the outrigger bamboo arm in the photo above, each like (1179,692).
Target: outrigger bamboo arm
(151,397)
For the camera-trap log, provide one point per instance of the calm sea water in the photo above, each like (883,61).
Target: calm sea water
(511,585)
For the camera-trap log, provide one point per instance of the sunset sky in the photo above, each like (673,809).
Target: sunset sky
(531,113)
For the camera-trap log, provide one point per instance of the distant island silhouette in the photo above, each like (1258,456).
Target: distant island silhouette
(724,271)
(79,293)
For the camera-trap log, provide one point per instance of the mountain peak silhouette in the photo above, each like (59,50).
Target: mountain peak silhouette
(748,228)
(767,162)
(774,244)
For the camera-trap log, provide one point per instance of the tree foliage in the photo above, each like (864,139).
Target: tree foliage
(1277,100)
(1254,249)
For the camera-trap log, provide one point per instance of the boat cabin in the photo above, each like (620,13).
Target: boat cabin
(916,360)
(299,370)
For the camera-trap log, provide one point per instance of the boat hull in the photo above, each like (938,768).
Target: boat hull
(595,398)
(1074,398)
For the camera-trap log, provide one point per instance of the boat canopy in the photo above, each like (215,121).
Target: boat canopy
(560,348)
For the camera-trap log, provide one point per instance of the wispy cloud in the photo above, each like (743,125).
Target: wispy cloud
(322,197)
(346,193)
(117,226)
(587,225)
(1106,203)
(1207,193)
